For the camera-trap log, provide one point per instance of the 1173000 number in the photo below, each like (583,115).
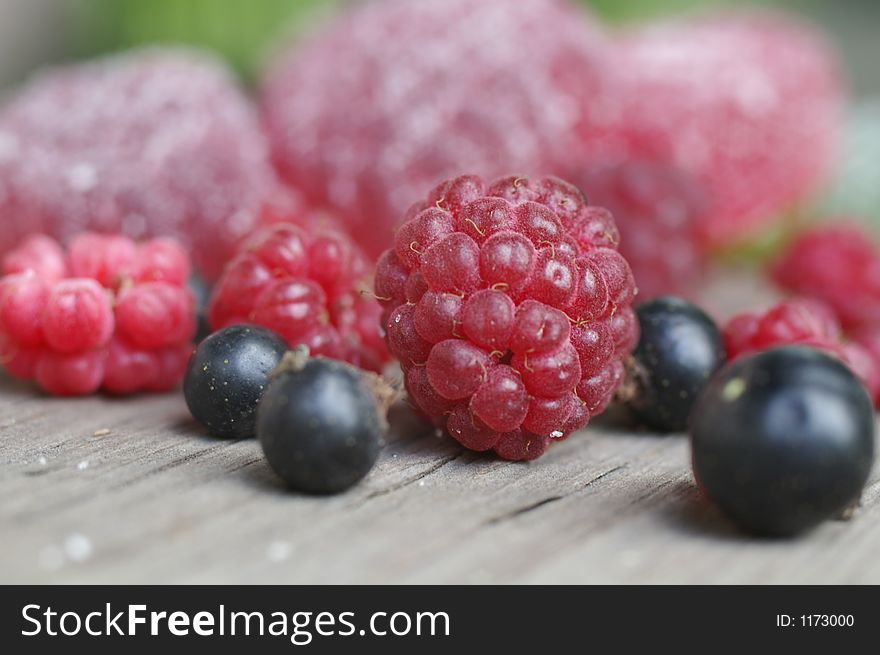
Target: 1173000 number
(827,620)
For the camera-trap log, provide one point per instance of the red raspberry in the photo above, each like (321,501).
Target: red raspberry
(439,86)
(749,103)
(147,143)
(838,264)
(509,309)
(806,322)
(797,320)
(125,323)
(309,286)
(658,211)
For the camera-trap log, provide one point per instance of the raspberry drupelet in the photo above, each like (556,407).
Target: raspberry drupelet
(311,286)
(108,314)
(509,309)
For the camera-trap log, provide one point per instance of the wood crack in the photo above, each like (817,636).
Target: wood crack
(551,499)
(524,510)
(167,466)
(250,462)
(656,490)
(407,482)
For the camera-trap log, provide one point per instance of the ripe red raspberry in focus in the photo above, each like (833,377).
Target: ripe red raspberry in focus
(394,96)
(108,314)
(749,103)
(311,286)
(805,322)
(838,264)
(153,142)
(509,309)
(658,211)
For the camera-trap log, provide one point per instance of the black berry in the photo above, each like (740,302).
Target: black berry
(679,349)
(783,439)
(321,422)
(227,375)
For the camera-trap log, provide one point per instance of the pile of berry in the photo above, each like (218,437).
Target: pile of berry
(108,314)
(508,307)
(782,436)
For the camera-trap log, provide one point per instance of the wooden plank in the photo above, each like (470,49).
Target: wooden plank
(127,491)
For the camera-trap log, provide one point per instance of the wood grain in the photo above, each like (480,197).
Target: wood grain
(155,500)
(127,491)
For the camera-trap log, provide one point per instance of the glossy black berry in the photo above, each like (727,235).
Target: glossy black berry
(321,423)
(783,439)
(227,375)
(679,349)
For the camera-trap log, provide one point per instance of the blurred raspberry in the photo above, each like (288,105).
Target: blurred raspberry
(750,104)
(793,321)
(806,322)
(658,210)
(123,321)
(394,96)
(838,264)
(509,309)
(311,286)
(155,142)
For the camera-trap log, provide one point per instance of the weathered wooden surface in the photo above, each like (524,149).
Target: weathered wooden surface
(154,500)
(126,491)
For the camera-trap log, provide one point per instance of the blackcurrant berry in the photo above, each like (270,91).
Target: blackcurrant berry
(321,422)
(227,375)
(783,439)
(679,349)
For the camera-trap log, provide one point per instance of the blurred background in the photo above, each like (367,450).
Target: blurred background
(691,157)
(37,32)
